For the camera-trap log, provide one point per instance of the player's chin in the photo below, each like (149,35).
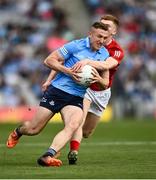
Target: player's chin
(98,46)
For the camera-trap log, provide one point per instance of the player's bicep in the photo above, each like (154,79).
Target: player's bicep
(112,62)
(117,54)
(55,55)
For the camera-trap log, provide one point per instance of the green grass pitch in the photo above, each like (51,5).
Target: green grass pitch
(120,150)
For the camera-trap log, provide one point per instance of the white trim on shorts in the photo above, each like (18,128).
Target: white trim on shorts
(99,100)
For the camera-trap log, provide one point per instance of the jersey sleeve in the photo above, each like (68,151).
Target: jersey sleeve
(68,49)
(117,54)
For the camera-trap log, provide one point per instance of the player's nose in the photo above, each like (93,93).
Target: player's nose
(102,40)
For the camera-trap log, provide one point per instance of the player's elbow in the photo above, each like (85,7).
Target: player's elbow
(87,133)
(104,85)
(46,62)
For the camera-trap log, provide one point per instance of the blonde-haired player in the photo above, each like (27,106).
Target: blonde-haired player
(96,100)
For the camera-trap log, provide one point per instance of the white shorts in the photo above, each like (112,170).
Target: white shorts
(99,100)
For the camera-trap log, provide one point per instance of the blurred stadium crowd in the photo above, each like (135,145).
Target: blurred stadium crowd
(31,29)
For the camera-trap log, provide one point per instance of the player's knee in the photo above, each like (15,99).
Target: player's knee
(29,130)
(34,132)
(73,126)
(86,134)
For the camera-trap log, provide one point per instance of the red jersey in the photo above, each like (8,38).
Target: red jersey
(117,53)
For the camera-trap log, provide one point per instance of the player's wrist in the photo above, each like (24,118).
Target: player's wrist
(48,81)
(86,62)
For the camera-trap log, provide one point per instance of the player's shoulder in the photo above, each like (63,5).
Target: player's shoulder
(115,50)
(81,43)
(104,50)
(115,44)
(75,45)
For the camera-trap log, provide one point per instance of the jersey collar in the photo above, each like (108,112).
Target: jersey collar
(87,42)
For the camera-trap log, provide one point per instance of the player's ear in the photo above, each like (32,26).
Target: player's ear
(90,33)
(114,32)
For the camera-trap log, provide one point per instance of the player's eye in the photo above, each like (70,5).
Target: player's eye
(99,36)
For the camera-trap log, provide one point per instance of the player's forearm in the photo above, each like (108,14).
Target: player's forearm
(51,76)
(103,83)
(55,62)
(97,65)
(103,65)
(104,79)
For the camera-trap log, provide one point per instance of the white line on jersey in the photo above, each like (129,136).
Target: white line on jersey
(64,51)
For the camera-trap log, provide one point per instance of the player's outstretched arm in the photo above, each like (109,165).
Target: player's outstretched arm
(109,63)
(49,79)
(51,76)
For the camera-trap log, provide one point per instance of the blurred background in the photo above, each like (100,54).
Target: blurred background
(31,29)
